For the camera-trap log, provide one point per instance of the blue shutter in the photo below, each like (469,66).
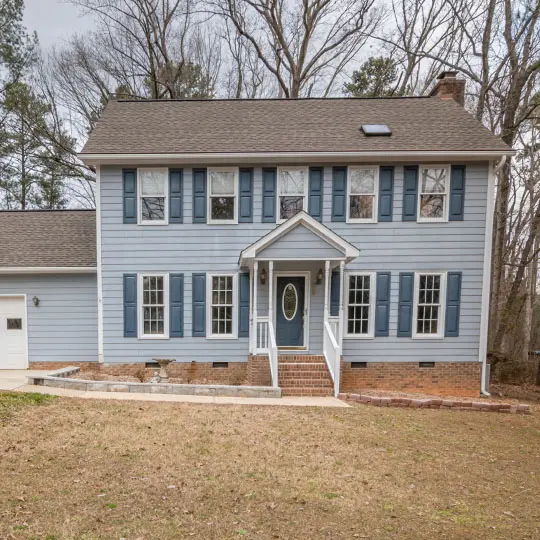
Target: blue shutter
(316,175)
(199,195)
(339,194)
(457,193)
(334,294)
(269,195)
(176,294)
(198,285)
(382,304)
(245,211)
(176,211)
(130,195)
(453,301)
(410,193)
(130,305)
(405,308)
(243,305)
(386,193)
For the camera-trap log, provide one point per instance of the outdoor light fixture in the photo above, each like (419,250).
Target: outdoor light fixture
(36,301)
(262,276)
(319,276)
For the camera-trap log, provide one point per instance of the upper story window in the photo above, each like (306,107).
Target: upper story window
(360,298)
(153,192)
(221,311)
(292,191)
(363,189)
(153,308)
(223,195)
(433,193)
(429,298)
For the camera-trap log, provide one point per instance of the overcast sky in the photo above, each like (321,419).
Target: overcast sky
(54,20)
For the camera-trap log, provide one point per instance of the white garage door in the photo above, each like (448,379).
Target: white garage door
(12,333)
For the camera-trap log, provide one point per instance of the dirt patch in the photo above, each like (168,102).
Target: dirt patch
(91,469)
(522,392)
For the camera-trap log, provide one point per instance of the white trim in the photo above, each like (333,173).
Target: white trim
(279,195)
(486,277)
(48,270)
(446,194)
(99,265)
(209,196)
(25,299)
(166,306)
(442,303)
(375,217)
(302,218)
(293,157)
(372,297)
(307,305)
(209,335)
(153,222)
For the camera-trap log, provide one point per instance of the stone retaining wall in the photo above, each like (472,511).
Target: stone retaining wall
(435,403)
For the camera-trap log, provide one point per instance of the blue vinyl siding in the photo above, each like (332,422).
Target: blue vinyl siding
(63,328)
(394,246)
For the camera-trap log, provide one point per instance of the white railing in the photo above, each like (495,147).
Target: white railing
(334,325)
(332,354)
(265,341)
(273,354)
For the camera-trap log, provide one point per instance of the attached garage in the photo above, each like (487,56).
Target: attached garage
(13,333)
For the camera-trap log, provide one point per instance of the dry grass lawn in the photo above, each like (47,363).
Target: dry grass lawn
(88,469)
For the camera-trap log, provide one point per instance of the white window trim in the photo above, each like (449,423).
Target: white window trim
(446,208)
(209,334)
(278,194)
(440,333)
(375,217)
(141,221)
(372,299)
(166,308)
(233,221)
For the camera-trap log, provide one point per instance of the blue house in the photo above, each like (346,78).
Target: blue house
(317,245)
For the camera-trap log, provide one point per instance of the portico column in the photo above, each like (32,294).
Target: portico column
(341,318)
(326,289)
(254,307)
(271,291)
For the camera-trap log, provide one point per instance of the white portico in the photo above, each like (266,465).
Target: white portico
(293,270)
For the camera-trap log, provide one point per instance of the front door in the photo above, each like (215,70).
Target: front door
(290,307)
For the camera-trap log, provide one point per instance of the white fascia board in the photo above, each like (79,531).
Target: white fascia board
(48,270)
(289,157)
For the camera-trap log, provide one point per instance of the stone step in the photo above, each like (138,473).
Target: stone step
(305,392)
(300,358)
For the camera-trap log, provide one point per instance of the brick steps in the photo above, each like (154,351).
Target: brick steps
(304,376)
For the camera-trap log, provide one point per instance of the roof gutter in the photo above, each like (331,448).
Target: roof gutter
(235,157)
(48,270)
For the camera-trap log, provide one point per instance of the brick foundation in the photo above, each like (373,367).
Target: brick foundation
(258,371)
(445,379)
(188,372)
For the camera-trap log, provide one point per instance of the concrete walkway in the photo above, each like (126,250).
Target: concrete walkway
(13,378)
(173,398)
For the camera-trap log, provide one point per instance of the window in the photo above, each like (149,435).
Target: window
(153,305)
(433,193)
(14,324)
(222,195)
(360,295)
(363,188)
(221,313)
(292,192)
(429,305)
(153,196)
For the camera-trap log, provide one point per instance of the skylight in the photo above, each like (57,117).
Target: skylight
(376,130)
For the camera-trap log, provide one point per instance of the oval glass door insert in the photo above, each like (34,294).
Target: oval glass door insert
(289,301)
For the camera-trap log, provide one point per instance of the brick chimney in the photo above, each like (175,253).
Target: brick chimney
(448,86)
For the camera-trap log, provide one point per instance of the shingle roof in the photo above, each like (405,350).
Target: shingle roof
(281,125)
(60,238)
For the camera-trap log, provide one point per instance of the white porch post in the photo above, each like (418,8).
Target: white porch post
(341,318)
(255,337)
(326,289)
(271,291)
(251,350)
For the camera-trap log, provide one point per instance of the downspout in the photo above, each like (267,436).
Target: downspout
(486,289)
